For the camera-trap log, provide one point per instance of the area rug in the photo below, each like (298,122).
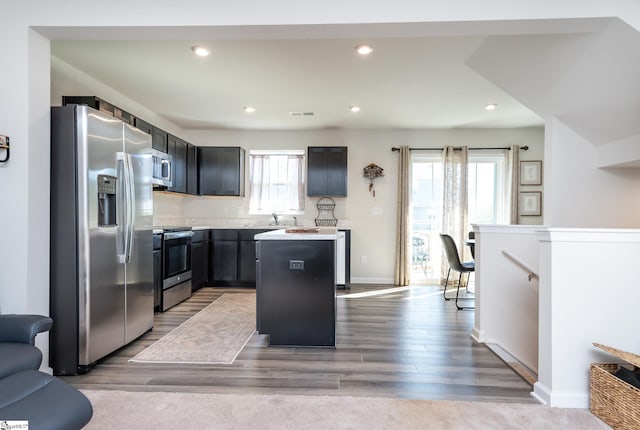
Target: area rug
(163,410)
(216,334)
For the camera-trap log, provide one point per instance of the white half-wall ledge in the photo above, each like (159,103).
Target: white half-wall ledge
(585,296)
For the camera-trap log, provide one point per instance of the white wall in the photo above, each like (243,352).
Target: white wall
(506,299)
(585,296)
(578,193)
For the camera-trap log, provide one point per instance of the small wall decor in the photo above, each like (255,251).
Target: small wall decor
(326,217)
(4,147)
(531,172)
(371,172)
(530,203)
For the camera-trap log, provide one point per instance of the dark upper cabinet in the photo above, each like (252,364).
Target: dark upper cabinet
(192,169)
(144,126)
(158,137)
(178,150)
(327,171)
(221,171)
(159,140)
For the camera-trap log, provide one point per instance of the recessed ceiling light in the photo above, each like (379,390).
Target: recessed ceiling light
(364,49)
(200,51)
(490,106)
(249,109)
(354,109)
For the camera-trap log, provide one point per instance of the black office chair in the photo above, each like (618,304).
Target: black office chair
(454,264)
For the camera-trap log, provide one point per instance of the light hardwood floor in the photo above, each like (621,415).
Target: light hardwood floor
(401,342)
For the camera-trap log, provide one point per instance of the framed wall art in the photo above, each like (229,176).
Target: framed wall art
(530,203)
(531,172)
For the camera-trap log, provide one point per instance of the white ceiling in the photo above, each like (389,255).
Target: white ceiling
(406,83)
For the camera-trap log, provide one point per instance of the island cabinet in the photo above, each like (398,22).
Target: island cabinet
(327,171)
(178,150)
(158,137)
(199,259)
(296,288)
(221,171)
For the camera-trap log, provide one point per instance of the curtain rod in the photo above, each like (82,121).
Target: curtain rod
(523,148)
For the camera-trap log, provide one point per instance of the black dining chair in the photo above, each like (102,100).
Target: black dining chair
(453,257)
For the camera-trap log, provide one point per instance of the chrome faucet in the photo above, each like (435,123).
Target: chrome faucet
(275,218)
(295,220)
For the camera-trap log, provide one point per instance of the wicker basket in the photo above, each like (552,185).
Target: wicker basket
(614,401)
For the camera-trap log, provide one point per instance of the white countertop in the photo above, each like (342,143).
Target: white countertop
(158,229)
(324,233)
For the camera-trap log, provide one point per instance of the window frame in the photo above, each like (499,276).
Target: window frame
(274,209)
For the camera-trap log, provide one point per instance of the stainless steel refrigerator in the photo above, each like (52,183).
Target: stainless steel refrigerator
(101,264)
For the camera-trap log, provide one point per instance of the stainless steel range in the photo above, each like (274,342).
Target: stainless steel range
(176,266)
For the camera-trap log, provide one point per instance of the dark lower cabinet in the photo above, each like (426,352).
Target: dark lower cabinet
(247,261)
(157,271)
(225,260)
(247,257)
(232,257)
(199,259)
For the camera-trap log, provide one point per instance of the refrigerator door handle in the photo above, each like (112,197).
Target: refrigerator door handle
(121,204)
(126,158)
(131,205)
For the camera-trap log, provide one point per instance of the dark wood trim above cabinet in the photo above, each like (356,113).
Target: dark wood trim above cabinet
(158,136)
(101,105)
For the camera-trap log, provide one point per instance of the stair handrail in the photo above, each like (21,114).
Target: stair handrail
(531,273)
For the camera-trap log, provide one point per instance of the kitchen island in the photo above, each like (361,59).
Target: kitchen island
(296,286)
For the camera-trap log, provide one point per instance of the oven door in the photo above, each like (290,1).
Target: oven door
(177,258)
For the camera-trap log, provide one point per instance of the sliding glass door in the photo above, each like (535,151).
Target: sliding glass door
(487,204)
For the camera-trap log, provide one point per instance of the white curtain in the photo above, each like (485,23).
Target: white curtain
(276,183)
(455,220)
(295,182)
(259,182)
(513,181)
(402,272)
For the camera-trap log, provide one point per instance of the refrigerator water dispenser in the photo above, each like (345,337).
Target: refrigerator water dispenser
(106,201)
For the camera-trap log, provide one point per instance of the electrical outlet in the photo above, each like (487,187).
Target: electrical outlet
(296,264)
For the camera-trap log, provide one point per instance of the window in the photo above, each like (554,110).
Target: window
(487,185)
(276,182)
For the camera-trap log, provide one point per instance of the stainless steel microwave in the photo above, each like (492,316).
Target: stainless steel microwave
(162,169)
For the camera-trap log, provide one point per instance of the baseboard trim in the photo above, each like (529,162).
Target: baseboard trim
(560,399)
(383,281)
